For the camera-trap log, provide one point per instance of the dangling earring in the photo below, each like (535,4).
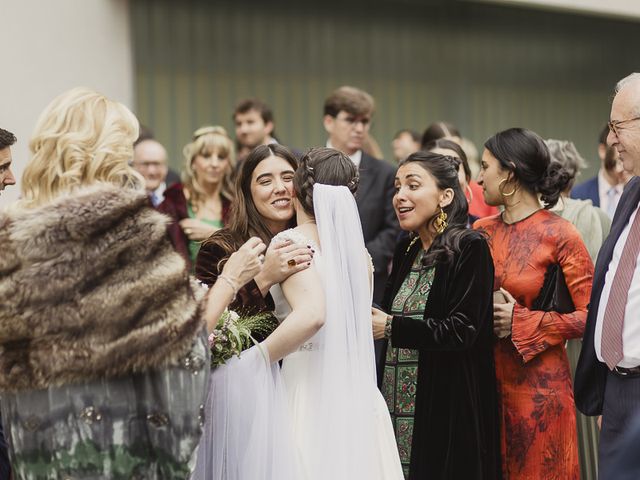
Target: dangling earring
(440,223)
(500,189)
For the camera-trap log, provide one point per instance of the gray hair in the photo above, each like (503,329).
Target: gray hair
(566,154)
(626,80)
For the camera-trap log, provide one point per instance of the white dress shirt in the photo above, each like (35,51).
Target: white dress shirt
(157,196)
(631,326)
(356,158)
(609,195)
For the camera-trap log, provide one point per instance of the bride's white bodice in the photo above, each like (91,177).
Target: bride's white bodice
(282,307)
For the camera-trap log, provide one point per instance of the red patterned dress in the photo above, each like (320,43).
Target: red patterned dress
(538,423)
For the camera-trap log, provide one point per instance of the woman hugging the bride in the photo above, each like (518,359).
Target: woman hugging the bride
(320,416)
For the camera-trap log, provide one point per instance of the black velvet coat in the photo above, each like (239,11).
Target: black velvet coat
(456,430)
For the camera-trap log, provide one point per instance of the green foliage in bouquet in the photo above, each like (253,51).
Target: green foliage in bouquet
(235,333)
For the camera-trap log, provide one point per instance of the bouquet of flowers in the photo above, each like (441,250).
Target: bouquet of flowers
(233,334)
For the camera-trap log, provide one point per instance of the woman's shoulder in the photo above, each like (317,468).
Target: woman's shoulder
(487,222)
(174,200)
(473,240)
(555,225)
(175,193)
(582,213)
(294,235)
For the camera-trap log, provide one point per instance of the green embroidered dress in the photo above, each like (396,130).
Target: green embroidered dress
(401,365)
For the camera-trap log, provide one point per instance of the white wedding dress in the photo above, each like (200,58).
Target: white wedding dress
(340,421)
(320,417)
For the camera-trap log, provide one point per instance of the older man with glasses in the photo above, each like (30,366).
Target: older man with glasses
(608,375)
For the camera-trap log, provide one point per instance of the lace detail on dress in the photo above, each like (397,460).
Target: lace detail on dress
(293,236)
(373,269)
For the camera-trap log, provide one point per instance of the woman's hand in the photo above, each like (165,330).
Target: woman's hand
(246,263)
(379,320)
(278,263)
(503,315)
(196,230)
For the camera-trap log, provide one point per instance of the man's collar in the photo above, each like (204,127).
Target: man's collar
(356,158)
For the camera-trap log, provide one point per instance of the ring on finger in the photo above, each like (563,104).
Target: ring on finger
(291,262)
(261,258)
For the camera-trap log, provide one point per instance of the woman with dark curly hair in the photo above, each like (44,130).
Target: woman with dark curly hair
(543,276)
(439,379)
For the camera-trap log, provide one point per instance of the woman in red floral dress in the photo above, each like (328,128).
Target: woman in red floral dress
(538,425)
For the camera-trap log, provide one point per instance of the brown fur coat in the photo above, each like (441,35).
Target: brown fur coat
(90,286)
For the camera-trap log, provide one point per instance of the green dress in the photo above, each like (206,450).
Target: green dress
(401,365)
(194,246)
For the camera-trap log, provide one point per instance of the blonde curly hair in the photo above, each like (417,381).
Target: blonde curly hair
(80,139)
(207,140)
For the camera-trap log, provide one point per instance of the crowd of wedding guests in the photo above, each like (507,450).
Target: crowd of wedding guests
(485,302)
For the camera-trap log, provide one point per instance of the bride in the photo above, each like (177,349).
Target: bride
(321,416)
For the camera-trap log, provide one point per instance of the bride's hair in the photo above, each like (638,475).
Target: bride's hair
(444,170)
(326,166)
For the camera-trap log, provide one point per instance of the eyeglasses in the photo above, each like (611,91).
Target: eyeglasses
(614,125)
(352,120)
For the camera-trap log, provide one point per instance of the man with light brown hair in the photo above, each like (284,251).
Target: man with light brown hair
(347,119)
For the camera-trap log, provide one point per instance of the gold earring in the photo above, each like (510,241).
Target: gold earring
(500,189)
(440,223)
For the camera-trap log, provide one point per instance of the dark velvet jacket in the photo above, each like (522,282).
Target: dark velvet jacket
(456,429)
(218,247)
(175,205)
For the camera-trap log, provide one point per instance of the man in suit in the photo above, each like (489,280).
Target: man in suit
(150,160)
(254,124)
(607,379)
(6,179)
(604,190)
(347,118)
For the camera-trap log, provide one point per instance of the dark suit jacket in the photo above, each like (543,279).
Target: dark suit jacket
(379,222)
(587,191)
(591,374)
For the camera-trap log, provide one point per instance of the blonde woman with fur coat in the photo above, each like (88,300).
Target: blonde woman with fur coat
(104,364)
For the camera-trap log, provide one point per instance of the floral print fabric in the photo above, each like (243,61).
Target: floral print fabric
(538,423)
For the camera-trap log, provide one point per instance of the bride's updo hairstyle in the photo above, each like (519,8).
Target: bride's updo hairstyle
(326,166)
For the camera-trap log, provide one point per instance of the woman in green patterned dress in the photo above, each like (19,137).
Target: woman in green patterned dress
(439,375)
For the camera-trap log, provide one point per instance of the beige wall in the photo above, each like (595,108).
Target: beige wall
(51,46)
(610,8)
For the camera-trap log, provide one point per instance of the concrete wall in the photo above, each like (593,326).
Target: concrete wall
(49,47)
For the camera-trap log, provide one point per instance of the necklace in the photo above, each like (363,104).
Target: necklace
(523,217)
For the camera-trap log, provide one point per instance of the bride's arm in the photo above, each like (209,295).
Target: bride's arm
(303,291)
